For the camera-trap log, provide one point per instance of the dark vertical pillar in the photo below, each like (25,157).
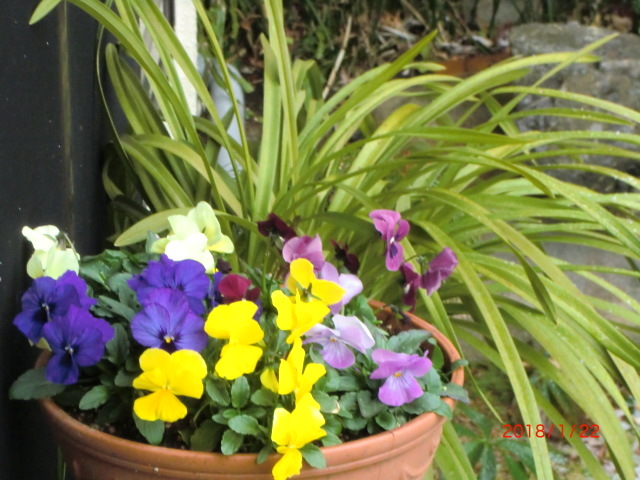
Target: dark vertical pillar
(49,174)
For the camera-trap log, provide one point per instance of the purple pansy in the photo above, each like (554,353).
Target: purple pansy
(167,322)
(214,291)
(410,285)
(335,342)
(348,259)
(400,371)
(392,228)
(274,225)
(188,276)
(306,247)
(77,340)
(351,284)
(439,270)
(47,299)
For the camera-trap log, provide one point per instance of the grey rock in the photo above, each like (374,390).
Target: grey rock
(616,78)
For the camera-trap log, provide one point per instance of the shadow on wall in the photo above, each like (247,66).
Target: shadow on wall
(49,173)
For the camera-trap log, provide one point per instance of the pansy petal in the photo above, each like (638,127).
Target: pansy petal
(218,324)
(151,380)
(338,355)
(153,358)
(246,331)
(289,465)
(287,378)
(398,390)
(161,405)
(301,271)
(354,332)
(237,360)
(62,369)
(327,292)
(189,361)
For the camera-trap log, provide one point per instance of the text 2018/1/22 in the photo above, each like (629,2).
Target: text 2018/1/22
(540,431)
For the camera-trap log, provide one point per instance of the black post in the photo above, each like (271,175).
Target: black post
(50,135)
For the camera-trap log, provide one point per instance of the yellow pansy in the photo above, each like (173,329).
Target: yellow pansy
(301,277)
(293,376)
(234,322)
(269,380)
(168,375)
(296,315)
(293,430)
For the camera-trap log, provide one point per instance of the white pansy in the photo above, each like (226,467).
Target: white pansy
(194,236)
(49,259)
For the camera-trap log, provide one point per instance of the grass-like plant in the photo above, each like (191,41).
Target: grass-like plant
(480,190)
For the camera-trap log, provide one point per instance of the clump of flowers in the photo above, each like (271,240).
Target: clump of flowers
(194,355)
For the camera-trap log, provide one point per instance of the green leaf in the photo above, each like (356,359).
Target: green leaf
(313,456)
(32,384)
(369,406)
(240,392)
(217,391)
(354,424)
(330,439)
(428,402)
(264,453)
(408,341)
(328,403)
(231,442)
(474,449)
(455,391)
(488,470)
(520,449)
(43,9)
(151,431)
(118,308)
(245,425)
(386,420)
(118,346)
(206,437)
(264,398)
(94,398)
(124,378)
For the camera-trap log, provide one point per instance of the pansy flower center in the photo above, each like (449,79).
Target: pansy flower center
(398,374)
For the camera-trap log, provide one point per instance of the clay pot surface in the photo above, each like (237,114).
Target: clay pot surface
(404,453)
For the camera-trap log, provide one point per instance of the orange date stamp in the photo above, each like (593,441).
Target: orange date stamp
(546,431)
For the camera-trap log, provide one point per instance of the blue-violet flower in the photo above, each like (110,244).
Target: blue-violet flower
(167,322)
(188,276)
(77,340)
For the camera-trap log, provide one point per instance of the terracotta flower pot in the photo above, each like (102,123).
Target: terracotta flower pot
(401,454)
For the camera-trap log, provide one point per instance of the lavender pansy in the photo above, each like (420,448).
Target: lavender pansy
(351,284)
(392,229)
(440,268)
(306,247)
(167,322)
(335,342)
(187,276)
(399,371)
(77,340)
(47,299)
